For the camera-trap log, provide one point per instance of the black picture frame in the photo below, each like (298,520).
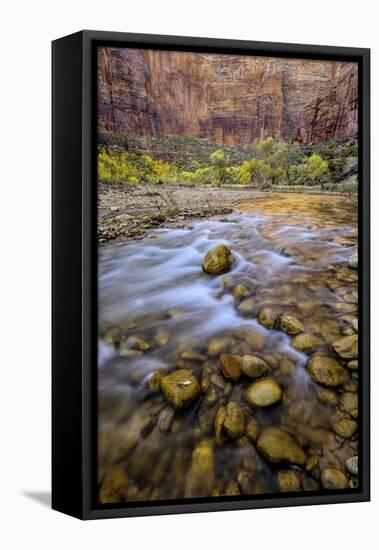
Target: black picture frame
(74,315)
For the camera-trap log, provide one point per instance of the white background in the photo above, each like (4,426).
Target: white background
(27,29)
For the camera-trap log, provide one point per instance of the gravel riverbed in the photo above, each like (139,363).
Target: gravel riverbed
(129,211)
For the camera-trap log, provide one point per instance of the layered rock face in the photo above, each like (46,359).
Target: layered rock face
(335,113)
(224,98)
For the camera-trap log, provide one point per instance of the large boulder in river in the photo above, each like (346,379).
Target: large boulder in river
(326,371)
(264,393)
(218,259)
(180,388)
(277,446)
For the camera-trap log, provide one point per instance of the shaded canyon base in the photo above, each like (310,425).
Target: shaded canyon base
(242,381)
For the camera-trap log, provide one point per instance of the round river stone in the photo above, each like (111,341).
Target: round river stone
(264,392)
(326,371)
(331,478)
(278,446)
(254,367)
(218,259)
(180,388)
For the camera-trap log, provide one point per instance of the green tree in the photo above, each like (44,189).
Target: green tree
(218,158)
(274,153)
(219,161)
(254,171)
(276,172)
(315,170)
(204,176)
(267,146)
(287,156)
(337,168)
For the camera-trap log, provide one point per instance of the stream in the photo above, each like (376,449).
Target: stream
(159,311)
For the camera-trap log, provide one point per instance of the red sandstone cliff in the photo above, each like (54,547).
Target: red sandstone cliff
(223,98)
(334,114)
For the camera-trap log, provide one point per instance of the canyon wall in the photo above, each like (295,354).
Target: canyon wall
(224,98)
(335,113)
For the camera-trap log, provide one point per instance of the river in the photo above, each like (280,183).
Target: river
(159,311)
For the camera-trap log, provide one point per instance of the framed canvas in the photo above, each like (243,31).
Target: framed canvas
(210,275)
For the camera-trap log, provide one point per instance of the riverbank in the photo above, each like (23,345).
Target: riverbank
(129,211)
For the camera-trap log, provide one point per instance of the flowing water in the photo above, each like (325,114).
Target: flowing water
(159,311)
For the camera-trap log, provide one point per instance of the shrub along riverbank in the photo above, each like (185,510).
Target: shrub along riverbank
(332,166)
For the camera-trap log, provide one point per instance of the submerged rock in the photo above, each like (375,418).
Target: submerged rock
(264,392)
(290,324)
(245,482)
(230,421)
(193,356)
(277,446)
(327,396)
(200,478)
(205,417)
(347,346)
(218,344)
(353,261)
(267,317)
(247,306)
(231,366)
(331,478)
(241,291)
(312,463)
(254,367)
(134,342)
(232,489)
(218,381)
(253,429)
(351,465)
(255,340)
(326,371)
(162,337)
(114,487)
(234,423)
(166,419)
(349,403)
(155,380)
(180,388)
(353,365)
(343,425)
(219,424)
(307,343)
(212,397)
(288,481)
(287,366)
(218,259)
